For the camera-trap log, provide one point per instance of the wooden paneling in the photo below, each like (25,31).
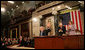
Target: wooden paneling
(62,42)
(58,43)
(25,30)
(71,41)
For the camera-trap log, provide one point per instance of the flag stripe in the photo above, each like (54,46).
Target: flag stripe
(71,17)
(74,19)
(80,22)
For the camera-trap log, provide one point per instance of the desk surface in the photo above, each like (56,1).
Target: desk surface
(55,36)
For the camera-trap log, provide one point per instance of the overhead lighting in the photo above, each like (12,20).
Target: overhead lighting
(59,6)
(11,2)
(17,6)
(3,9)
(34,19)
(68,7)
(79,1)
(23,2)
(53,8)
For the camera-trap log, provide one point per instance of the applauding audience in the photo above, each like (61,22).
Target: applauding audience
(25,41)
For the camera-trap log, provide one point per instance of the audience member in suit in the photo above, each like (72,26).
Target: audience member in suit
(20,39)
(9,41)
(2,42)
(28,41)
(32,42)
(61,29)
(43,31)
(14,41)
(25,41)
(21,42)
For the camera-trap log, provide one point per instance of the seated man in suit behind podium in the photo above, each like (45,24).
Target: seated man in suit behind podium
(61,30)
(43,31)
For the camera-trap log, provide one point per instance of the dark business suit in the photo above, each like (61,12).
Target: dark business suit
(45,32)
(63,29)
(22,43)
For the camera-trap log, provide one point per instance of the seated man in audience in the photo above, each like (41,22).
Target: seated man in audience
(32,42)
(14,41)
(61,30)
(9,41)
(28,41)
(25,41)
(2,43)
(6,41)
(19,40)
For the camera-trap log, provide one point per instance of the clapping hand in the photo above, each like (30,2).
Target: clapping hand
(60,30)
(2,43)
(64,35)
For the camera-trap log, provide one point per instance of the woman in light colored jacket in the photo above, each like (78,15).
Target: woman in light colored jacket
(71,28)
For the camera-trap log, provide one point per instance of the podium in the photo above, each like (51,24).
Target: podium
(59,42)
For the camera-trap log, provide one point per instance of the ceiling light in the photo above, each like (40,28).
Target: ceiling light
(34,19)
(17,6)
(68,7)
(59,6)
(79,1)
(11,2)
(3,9)
(53,8)
(23,2)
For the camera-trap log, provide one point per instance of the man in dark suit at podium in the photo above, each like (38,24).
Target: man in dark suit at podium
(43,31)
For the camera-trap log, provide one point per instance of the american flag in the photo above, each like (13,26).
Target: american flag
(75,17)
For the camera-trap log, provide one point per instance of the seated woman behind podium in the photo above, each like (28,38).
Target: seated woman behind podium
(61,29)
